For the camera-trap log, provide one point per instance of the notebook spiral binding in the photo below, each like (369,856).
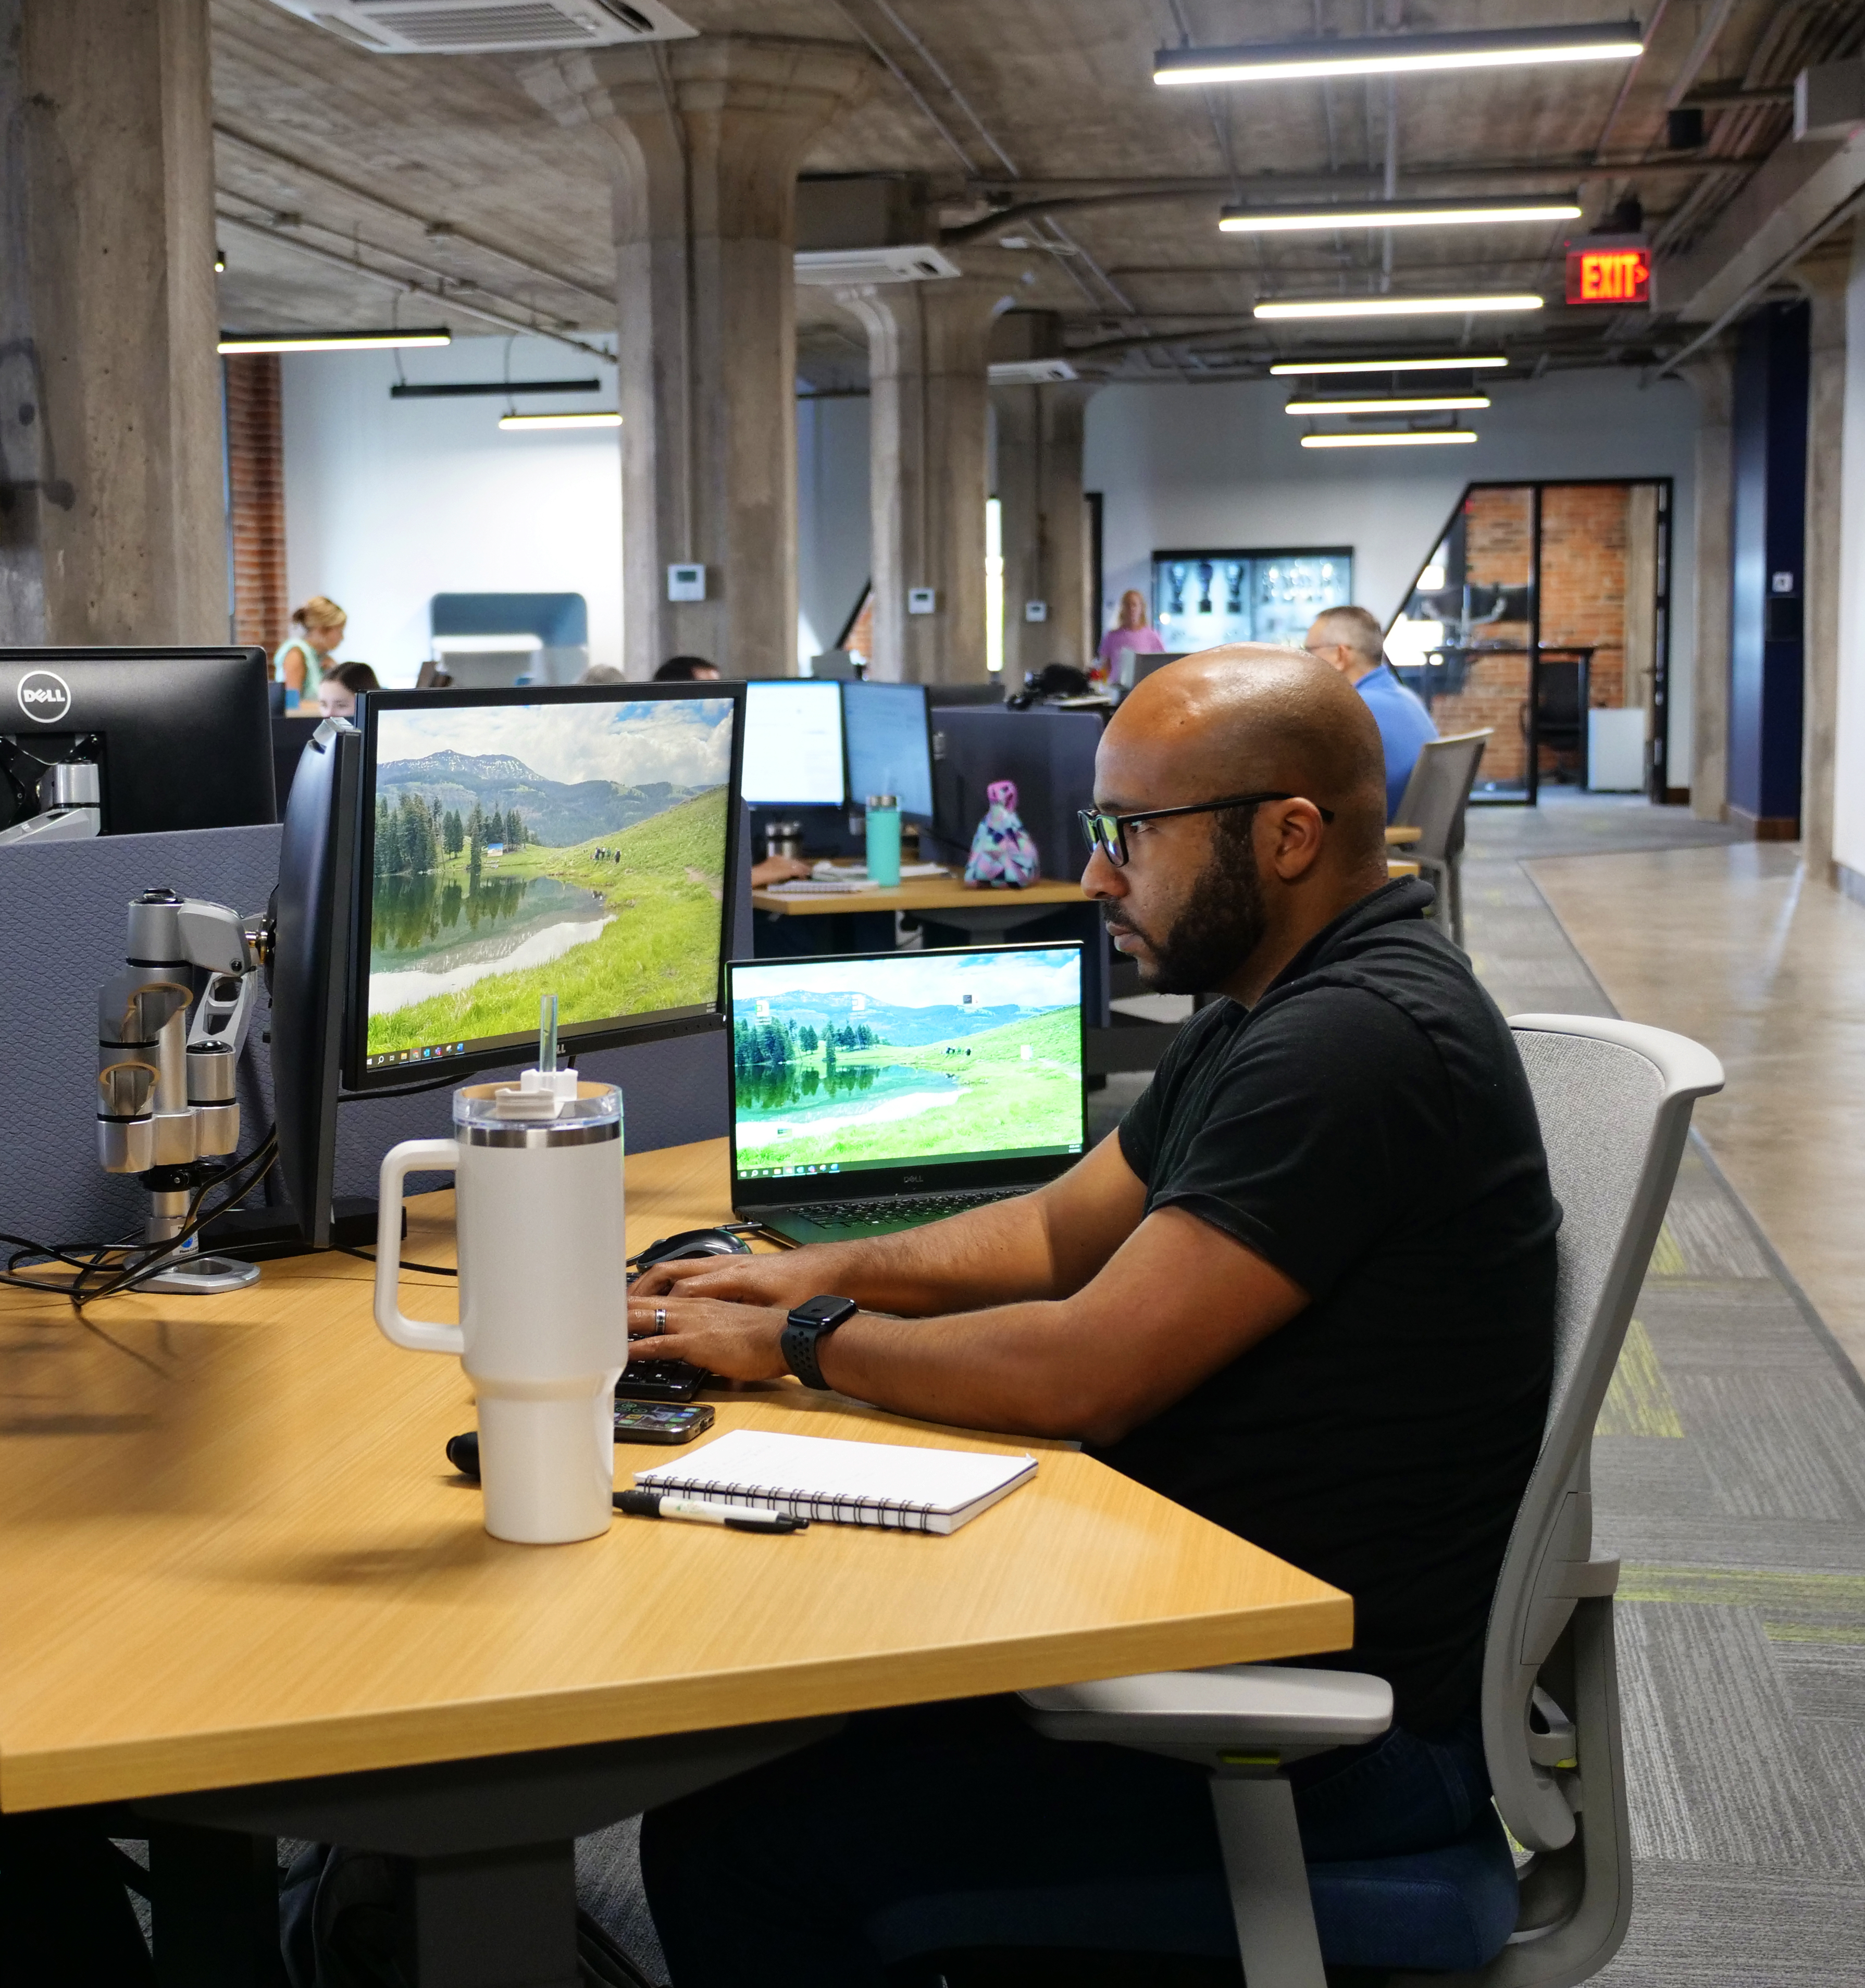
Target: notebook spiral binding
(878,1511)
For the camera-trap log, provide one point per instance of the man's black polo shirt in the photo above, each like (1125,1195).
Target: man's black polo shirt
(1368,1127)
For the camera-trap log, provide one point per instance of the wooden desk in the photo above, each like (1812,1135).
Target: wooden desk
(235,1560)
(1397,837)
(925,896)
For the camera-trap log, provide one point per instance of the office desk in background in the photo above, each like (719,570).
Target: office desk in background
(247,1598)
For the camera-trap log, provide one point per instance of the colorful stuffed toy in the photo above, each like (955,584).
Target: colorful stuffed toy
(1002,854)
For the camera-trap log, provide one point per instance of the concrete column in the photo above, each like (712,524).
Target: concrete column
(1045,536)
(113,520)
(1825,280)
(928,352)
(1713,377)
(708,135)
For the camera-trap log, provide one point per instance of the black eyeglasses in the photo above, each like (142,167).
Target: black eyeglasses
(1107,832)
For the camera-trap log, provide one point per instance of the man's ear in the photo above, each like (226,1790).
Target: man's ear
(1295,846)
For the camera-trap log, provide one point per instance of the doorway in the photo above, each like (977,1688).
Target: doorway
(1543,616)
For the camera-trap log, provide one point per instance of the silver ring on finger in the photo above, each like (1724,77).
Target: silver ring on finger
(660,1319)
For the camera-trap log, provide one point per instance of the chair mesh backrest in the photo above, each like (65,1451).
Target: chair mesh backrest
(1436,794)
(1597,1103)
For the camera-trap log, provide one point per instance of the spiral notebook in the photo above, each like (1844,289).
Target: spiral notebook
(847,1484)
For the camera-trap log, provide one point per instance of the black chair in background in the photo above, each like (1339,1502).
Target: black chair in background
(1561,698)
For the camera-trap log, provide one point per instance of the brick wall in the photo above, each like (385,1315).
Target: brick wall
(1582,578)
(255,466)
(1498,538)
(1583,542)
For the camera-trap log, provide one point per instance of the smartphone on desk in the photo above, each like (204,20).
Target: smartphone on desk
(661,1421)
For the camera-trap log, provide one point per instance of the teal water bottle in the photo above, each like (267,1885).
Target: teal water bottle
(883,840)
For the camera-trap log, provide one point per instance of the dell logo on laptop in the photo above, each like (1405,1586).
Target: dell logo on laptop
(911,1180)
(44,698)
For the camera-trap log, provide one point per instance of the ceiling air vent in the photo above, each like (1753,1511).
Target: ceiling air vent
(489,27)
(855,267)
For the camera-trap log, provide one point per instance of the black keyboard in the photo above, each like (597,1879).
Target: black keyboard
(912,1208)
(659,1380)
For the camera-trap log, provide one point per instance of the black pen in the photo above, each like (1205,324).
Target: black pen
(703,1511)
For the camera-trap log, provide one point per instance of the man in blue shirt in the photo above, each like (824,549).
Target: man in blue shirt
(1350,641)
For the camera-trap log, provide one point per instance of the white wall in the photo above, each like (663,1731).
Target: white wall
(389,502)
(1223,465)
(832,566)
(1849,769)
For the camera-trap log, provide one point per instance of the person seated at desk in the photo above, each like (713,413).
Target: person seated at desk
(1350,641)
(1307,1290)
(686,669)
(343,683)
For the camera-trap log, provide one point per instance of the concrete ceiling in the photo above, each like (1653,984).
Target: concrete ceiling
(355,188)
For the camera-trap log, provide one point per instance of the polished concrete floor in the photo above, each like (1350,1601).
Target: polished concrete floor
(1736,946)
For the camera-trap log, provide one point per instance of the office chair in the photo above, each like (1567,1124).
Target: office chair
(1435,799)
(1614,1100)
(1562,695)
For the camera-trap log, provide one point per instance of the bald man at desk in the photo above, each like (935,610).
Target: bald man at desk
(1307,1290)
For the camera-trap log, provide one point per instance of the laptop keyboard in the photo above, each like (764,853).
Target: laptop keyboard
(914,1207)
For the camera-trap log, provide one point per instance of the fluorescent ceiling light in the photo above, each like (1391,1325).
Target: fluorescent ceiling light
(1393,214)
(1419,404)
(602,420)
(329,341)
(1399,55)
(1406,438)
(1397,306)
(1296,366)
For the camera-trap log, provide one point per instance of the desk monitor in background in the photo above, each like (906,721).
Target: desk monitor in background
(793,754)
(1144,666)
(512,844)
(890,746)
(1048,754)
(181,737)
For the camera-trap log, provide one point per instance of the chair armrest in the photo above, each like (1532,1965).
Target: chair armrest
(1270,1711)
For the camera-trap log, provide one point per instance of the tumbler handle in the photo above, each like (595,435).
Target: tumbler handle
(419,1335)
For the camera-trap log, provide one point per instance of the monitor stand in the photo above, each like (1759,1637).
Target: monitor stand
(258,1234)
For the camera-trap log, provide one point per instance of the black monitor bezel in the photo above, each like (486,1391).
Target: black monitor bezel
(821,683)
(913,1176)
(918,819)
(576,1038)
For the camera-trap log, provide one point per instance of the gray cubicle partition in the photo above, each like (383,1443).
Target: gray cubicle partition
(62,919)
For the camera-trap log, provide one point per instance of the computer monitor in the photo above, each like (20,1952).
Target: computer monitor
(793,755)
(890,745)
(1048,755)
(309,974)
(904,1068)
(181,737)
(513,844)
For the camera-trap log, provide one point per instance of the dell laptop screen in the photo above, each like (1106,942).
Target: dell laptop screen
(898,1070)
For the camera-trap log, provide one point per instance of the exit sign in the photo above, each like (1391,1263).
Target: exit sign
(1609,276)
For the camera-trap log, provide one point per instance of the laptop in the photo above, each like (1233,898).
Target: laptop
(875,1091)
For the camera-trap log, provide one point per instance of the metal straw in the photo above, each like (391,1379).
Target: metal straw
(547,1034)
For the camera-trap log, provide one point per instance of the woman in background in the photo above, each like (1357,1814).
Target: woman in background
(343,683)
(304,661)
(1129,632)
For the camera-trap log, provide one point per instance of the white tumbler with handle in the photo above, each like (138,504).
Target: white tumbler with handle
(543,1331)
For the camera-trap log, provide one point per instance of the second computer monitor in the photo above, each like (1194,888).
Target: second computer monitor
(793,753)
(890,745)
(514,843)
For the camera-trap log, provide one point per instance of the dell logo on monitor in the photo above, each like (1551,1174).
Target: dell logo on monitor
(44,698)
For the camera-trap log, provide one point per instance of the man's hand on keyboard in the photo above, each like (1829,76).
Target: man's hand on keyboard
(737,1341)
(783,1280)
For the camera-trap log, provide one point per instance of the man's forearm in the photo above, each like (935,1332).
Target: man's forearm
(987,1256)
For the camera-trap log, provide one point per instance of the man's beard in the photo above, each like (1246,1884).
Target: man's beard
(1220,925)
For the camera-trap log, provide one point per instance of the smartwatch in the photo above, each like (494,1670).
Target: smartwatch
(811,1322)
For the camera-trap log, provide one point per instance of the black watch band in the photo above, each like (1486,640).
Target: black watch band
(805,1328)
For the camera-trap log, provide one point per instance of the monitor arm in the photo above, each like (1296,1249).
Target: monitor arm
(53,800)
(168,1102)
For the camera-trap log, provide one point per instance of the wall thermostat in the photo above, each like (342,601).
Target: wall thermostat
(1035,610)
(686,582)
(920,600)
